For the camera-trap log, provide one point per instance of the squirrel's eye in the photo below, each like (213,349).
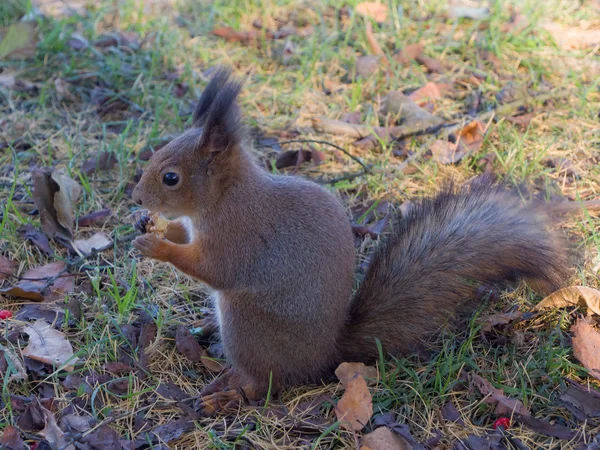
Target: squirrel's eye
(170,178)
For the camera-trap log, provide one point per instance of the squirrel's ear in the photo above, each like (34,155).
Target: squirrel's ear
(209,94)
(222,124)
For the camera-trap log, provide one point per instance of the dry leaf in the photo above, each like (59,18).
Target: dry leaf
(48,345)
(7,266)
(355,408)
(97,242)
(522,121)
(432,64)
(18,372)
(547,428)
(36,237)
(366,66)
(469,138)
(11,440)
(398,104)
(585,399)
(570,38)
(384,439)
(34,284)
(586,345)
(104,438)
(408,53)
(430,91)
(18,41)
(52,433)
(231,35)
(500,319)
(94,217)
(505,405)
(374,10)
(55,195)
(187,344)
(349,371)
(573,296)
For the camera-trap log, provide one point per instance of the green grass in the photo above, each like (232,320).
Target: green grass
(173,46)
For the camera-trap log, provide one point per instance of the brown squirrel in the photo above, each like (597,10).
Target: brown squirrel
(278,251)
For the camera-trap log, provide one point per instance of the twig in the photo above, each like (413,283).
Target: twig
(365,167)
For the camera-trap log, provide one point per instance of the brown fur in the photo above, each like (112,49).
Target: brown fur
(278,251)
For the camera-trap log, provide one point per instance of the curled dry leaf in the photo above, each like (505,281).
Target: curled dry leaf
(500,319)
(36,237)
(52,433)
(7,266)
(570,38)
(48,345)
(573,296)
(97,242)
(55,195)
(35,283)
(469,140)
(349,371)
(384,439)
(189,347)
(586,345)
(355,408)
(374,10)
(505,405)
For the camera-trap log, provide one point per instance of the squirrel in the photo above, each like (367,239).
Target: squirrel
(278,253)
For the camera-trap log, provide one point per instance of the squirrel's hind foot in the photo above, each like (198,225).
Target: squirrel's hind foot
(227,393)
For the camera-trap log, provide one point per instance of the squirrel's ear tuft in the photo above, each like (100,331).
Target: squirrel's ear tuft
(209,94)
(222,122)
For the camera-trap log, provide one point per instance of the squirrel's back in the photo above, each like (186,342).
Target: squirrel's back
(436,260)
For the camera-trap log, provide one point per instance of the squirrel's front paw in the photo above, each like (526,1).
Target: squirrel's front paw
(152,246)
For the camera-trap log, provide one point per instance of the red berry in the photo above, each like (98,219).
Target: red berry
(503,422)
(5,314)
(34,446)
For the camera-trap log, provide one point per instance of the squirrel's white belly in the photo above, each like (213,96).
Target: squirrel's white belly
(215,298)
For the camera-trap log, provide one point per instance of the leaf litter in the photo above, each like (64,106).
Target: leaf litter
(47,283)
(586,345)
(48,346)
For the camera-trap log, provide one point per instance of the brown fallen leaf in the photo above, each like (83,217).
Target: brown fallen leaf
(374,10)
(367,65)
(187,345)
(93,218)
(52,433)
(18,371)
(432,64)
(409,53)
(231,35)
(504,404)
(18,40)
(387,420)
(547,428)
(522,121)
(586,345)
(48,345)
(349,371)
(34,284)
(11,440)
(352,118)
(7,266)
(36,237)
(469,140)
(118,368)
(573,296)
(398,104)
(104,438)
(355,408)
(55,195)
(585,399)
(430,91)
(99,162)
(97,242)
(572,38)
(384,439)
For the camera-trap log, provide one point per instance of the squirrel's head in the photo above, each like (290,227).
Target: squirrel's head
(190,172)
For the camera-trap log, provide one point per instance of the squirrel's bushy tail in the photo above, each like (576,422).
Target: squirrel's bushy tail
(436,260)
